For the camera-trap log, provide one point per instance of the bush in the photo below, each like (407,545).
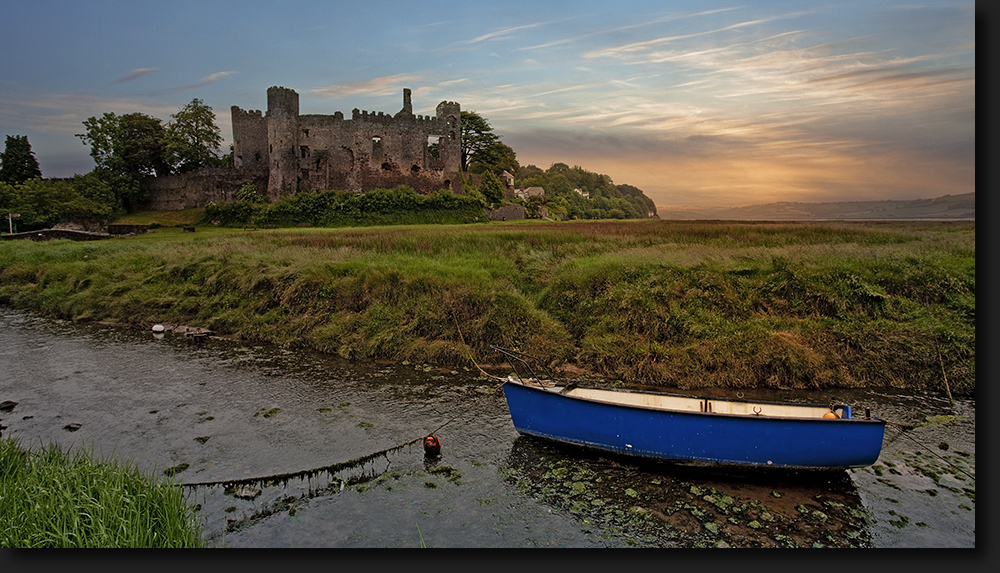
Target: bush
(399,206)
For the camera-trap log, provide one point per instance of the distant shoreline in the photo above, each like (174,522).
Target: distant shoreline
(829,219)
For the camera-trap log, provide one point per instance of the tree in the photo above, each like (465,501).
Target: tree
(477,135)
(131,144)
(125,149)
(192,138)
(496,157)
(17,162)
(143,145)
(492,188)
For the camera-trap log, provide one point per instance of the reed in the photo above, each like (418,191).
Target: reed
(60,498)
(660,303)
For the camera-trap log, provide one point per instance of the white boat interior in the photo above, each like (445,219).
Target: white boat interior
(692,404)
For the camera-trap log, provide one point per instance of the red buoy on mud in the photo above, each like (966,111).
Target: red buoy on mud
(432,445)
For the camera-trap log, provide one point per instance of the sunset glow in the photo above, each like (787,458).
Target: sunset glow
(696,103)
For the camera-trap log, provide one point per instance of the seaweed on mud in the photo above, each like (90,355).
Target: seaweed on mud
(172,471)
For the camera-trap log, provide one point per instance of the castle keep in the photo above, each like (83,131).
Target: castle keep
(368,151)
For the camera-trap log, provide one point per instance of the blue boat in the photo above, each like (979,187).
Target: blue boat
(690,430)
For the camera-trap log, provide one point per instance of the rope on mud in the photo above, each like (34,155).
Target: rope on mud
(902,432)
(353,463)
(332,468)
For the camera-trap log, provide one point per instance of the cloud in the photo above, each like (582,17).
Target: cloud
(385,85)
(504,32)
(210,79)
(64,113)
(619,29)
(134,74)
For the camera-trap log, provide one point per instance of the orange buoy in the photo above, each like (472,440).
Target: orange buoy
(830,415)
(432,445)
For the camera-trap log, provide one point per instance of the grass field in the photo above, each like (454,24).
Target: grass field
(675,304)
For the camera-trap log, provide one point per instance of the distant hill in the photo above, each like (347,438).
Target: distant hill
(947,207)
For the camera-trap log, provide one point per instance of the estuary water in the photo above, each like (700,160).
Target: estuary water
(213,410)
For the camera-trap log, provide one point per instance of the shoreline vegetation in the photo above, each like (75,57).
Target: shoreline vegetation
(58,498)
(654,303)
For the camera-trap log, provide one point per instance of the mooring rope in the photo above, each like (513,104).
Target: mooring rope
(356,462)
(902,432)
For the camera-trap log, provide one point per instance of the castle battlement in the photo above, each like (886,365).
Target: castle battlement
(247,112)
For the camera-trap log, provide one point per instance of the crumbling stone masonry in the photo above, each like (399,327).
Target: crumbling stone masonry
(370,150)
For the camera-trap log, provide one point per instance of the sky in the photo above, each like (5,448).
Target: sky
(698,103)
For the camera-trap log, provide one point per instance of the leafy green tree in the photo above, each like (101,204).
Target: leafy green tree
(17,162)
(496,158)
(492,188)
(131,144)
(125,149)
(192,139)
(142,145)
(643,204)
(477,135)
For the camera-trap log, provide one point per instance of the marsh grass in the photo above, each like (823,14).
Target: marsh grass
(61,498)
(661,303)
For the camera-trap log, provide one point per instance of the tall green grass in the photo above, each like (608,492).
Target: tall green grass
(661,303)
(58,498)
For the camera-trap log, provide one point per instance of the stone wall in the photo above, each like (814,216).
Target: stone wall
(200,187)
(507,213)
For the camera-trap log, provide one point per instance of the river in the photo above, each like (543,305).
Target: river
(214,410)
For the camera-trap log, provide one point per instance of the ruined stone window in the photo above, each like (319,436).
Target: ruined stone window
(305,132)
(415,169)
(304,149)
(376,146)
(386,166)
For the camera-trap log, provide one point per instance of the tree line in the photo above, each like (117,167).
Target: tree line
(126,148)
(570,192)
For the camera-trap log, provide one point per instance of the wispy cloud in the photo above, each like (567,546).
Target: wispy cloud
(210,79)
(502,33)
(134,74)
(646,44)
(385,85)
(626,28)
(65,112)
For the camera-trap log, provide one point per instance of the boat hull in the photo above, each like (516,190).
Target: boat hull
(697,438)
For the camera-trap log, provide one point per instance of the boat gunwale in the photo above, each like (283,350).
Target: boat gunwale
(561,391)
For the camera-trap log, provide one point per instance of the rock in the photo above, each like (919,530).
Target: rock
(7,406)
(72,427)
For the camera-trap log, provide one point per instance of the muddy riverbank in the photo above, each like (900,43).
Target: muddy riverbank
(211,409)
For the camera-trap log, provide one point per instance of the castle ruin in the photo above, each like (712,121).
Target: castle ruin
(368,151)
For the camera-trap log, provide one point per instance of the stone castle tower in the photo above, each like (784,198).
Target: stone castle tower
(368,151)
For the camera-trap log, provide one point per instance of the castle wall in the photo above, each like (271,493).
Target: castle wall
(249,138)
(200,187)
(284,153)
(368,151)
